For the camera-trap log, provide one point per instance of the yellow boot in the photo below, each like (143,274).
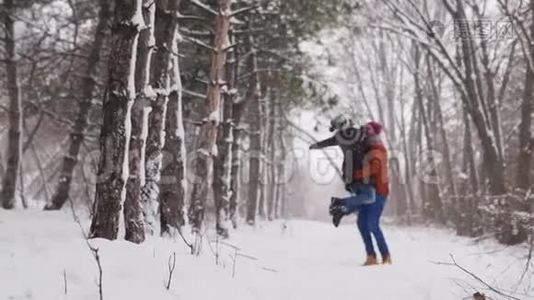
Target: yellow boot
(371,261)
(386,260)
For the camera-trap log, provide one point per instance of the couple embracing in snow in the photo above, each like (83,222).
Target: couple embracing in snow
(366,178)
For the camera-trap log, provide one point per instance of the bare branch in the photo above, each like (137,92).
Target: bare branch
(474,276)
(171,264)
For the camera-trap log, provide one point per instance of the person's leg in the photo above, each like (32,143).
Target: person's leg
(361,194)
(363,227)
(373,223)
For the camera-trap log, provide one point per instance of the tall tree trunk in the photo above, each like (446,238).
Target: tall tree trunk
(13,150)
(115,134)
(493,105)
(469,164)
(388,73)
(493,163)
(441,128)
(451,210)
(284,185)
(203,166)
(77,136)
(412,158)
(469,154)
(526,143)
(435,211)
(133,209)
(235,169)
(255,138)
(235,174)
(264,163)
(407,192)
(273,165)
(282,180)
(467,214)
(423,193)
(173,182)
(160,81)
(222,163)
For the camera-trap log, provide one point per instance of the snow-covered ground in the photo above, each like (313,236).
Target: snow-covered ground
(289,260)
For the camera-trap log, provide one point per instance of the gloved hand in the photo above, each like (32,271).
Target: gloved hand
(348,187)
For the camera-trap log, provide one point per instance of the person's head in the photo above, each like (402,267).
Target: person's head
(372,131)
(341,121)
(373,128)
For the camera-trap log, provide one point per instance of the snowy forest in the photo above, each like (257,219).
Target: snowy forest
(167,149)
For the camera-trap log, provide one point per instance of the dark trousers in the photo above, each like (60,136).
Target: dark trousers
(369,225)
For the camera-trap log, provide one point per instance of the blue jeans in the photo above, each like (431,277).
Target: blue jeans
(362,194)
(369,224)
(369,206)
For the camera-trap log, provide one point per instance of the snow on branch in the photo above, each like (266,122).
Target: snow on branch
(194,94)
(203,6)
(227,48)
(198,43)
(190,18)
(243,10)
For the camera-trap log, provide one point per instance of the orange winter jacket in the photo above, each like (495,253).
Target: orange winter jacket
(375,168)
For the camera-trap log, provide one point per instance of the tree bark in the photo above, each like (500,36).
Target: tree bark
(235,175)
(115,133)
(222,163)
(264,165)
(133,209)
(13,150)
(284,185)
(493,163)
(435,208)
(282,180)
(255,138)
(271,144)
(493,105)
(237,111)
(203,165)
(441,128)
(77,136)
(469,155)
(173,183)
(160,80)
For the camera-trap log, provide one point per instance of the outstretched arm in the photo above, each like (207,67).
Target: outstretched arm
(324,143)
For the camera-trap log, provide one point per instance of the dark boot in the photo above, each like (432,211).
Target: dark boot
(335,204)
(336,210)
(336,218)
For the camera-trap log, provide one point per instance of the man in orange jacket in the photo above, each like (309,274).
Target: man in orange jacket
(365,177)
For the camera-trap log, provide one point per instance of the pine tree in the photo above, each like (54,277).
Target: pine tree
(115,133)
(14,142)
